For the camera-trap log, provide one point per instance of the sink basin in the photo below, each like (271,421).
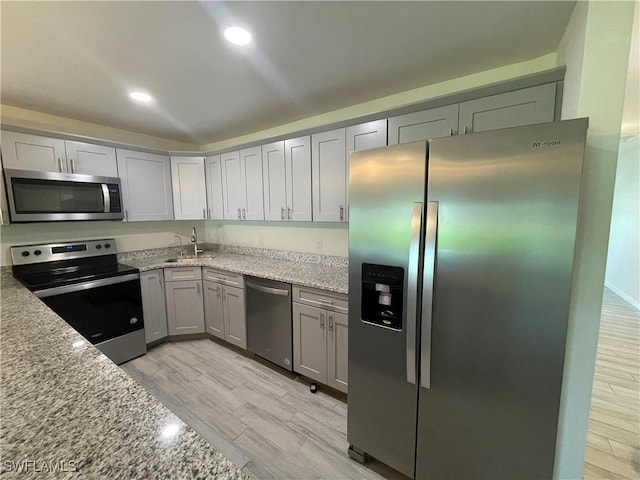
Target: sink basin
(188,260)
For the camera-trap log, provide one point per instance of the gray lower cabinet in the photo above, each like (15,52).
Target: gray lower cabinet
(183,291)
(320,336)
(224,309)
(153,305)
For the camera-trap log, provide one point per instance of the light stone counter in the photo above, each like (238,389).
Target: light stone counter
(325,273)
(69,408)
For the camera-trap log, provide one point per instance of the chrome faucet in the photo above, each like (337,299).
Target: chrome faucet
(194,240)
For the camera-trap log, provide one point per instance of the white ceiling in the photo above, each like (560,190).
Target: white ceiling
(79,59)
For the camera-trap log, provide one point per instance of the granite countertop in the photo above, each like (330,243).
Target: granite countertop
(68,411)
(297,270)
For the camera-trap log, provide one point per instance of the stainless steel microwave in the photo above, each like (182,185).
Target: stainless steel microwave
(36,196)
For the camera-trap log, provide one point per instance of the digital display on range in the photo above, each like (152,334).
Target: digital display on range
(69,248)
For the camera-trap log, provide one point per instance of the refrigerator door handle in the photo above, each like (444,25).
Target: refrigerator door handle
(427,293)
(412,289)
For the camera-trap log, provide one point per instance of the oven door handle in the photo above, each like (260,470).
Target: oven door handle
(76,287)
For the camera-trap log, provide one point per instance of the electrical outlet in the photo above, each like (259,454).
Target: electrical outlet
(319,246)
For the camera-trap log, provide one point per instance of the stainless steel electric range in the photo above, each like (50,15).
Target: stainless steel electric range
(85,285)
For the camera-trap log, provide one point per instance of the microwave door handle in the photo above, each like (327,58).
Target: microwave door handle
(106,198)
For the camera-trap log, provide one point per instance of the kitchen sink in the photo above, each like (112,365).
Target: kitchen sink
(188,260)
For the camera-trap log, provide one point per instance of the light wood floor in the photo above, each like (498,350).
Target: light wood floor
(613,441)
(268,423)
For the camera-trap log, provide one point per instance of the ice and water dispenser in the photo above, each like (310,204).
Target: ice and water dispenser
(382,295)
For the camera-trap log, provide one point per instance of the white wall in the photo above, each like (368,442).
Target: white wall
(623,261)
(129,236)
(595,49)
(305,237)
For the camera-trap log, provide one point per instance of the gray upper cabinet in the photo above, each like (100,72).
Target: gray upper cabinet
(146,185)
(286,170)
(34,152)
(297,153)
(251,175)
(329,174)
(232,193)
(511,109)
(189,188)
(242,189)
(153,305)
(274,177)
(363,137)
(213,175)
(432,123)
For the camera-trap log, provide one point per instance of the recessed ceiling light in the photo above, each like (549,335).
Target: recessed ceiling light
(139,96)
(237,35)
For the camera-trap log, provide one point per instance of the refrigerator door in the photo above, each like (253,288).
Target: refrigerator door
(385,225)
(492,359)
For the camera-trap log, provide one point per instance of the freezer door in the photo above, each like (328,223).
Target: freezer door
(504,205)
(385,222)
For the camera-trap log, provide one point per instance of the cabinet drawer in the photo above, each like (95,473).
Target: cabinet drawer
(226,278)
(182,273)
(336,302)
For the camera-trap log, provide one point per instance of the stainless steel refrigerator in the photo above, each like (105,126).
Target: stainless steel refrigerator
(460,262)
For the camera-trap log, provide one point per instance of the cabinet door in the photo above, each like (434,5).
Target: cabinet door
(33,152)
(185,311)
(146,185)
(328,162)
(153,305)
(274,181)
(189,190)
(309,342)
(432,123)
(235,318)
(511,109)
(213,309)
(337,353)
(213,174)
(91,159)
(297,153)
(251,168)
(232,192)
(363,137)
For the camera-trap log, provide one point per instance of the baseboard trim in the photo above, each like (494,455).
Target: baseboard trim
(626,297)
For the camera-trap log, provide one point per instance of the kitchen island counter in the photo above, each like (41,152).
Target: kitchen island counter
(68,411)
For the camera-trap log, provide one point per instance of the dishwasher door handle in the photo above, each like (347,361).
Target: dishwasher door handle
(273,291)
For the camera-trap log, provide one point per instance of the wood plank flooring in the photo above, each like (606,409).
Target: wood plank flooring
(613,441)
(266,421)
(269,424)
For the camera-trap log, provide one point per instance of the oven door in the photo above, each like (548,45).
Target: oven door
(107,312)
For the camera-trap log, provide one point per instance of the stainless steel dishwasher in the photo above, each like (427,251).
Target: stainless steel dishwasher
(269,332)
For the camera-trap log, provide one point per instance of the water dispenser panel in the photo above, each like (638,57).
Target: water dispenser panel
(382,295)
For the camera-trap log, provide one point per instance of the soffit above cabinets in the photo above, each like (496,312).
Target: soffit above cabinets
(80,59)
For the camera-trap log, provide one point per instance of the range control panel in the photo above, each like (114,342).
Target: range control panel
(50,252)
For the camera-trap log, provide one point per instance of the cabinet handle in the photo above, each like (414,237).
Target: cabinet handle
(281,213)
(450,131)
(198,289)
(73,165)
(204,213)
(209,211)
(126,215)
(239,214)
(467,130)
(341,213)
(330,322)
(60,165)
(244,214)
(325,301)
(289,213)
(322,321)
(218,291)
